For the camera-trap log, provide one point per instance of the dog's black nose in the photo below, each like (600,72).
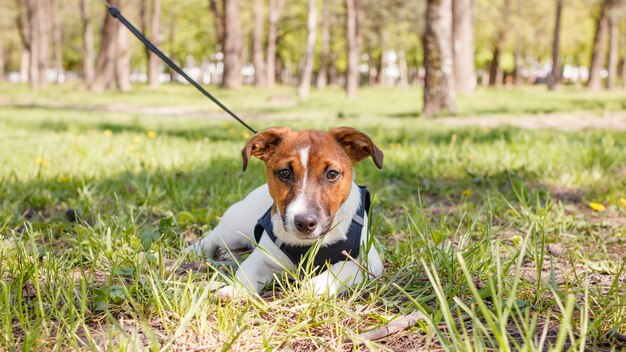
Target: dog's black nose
(306,223)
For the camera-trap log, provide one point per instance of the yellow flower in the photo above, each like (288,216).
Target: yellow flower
(151,134)
(63,178)
(137,139)
(467,192)
(131,148)
(41,162)
(246,134)
(597,206)
(108,133)
(622,201)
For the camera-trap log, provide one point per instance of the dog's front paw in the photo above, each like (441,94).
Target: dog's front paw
(228,293)
(322,285)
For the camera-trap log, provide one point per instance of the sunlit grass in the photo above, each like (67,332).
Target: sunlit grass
(95,208)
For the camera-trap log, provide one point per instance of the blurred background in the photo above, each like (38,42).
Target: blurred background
(316,43)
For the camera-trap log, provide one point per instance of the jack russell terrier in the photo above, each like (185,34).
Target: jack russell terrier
(310,200)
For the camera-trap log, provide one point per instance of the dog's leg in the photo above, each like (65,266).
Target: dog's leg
(256,271)
(345,274)
(236,228)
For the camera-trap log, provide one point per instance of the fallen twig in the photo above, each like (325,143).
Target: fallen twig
(393,326)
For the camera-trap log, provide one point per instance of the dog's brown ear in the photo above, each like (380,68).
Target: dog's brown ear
(357,145)
(263,144)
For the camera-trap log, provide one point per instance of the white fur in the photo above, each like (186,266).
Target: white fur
(236,230)
(299,205)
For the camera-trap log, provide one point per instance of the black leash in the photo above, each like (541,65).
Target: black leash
(115,12)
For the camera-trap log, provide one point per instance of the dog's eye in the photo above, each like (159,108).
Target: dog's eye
(332,175)
(284,174)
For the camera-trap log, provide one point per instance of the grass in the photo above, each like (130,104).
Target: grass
(488,232)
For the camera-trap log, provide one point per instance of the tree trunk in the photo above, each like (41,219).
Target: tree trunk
(438,60)
(613,53)
(30,37)
(2,61)
(404,71)
(104,76)
(519,59)
(88,52)
(555,75)
(24,65)
(333,76)
(154,63)
(122,60)
(23,29)
(233,45)
(322,76)
(309,58)
(624,71)
(495,71)
(57,40)
(219,20)
(42,38)
(260,76)
(463,38)
(354,24)
(275,8)
(598,51)
(171,38)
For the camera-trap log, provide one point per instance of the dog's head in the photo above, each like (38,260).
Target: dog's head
(309,173)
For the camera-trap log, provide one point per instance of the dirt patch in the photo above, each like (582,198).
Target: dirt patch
(572,121)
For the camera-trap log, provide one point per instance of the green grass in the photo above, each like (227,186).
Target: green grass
(467,220)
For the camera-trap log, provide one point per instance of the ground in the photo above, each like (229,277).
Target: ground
(505,225)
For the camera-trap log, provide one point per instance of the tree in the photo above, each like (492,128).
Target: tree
(88,52)
(113,61)
(233,45)
(354,24)
(613,52)
(275,8)
(2,61)
(438,60)
(555,75)
(260,76)
(463,39)
(32,27)
(309,56)
(322,75)
(599,48)
(154,63)
(57,40)
(495,69)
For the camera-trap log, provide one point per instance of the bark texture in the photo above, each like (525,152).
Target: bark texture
(275,8)
(88,50)
(233,45)
(598,51)
(154,63)
(438,62)
(463,38)
(555,75)
(613,53)
(113,62)
(57,40)
(322,76)
(495,71)
(260,76)
(354,24)
(307,71)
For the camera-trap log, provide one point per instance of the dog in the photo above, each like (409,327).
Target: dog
(310,200)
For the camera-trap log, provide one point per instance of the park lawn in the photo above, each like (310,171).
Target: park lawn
(491,233)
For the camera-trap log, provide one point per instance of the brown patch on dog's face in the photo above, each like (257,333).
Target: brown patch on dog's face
(309,173)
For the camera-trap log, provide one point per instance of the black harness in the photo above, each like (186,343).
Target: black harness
(327,254)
